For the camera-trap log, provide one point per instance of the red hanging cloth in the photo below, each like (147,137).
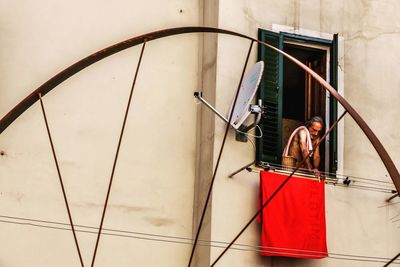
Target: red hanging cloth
(293,223)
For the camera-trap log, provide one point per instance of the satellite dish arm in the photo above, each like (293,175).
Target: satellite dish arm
(243,128)
(199,96)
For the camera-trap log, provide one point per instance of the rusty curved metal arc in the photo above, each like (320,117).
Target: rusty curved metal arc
(93,58)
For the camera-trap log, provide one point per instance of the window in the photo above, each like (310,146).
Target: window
(291,96)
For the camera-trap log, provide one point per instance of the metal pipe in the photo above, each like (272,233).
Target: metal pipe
(241,169)
(198,95)
(390,198)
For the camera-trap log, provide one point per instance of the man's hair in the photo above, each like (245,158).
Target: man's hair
(315,119)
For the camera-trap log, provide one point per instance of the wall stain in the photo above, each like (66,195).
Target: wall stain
(123,208)
(159,221)
(14,195)
(130,209)
(296,22)
(370,35)
(249,15)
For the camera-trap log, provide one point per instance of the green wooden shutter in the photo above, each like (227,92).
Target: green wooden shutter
(269,147)
(333,105)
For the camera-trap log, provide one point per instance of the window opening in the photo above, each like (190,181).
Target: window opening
(291,96)
(303,97)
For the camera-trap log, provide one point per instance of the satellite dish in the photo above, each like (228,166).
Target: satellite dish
(247,91)
(243,107)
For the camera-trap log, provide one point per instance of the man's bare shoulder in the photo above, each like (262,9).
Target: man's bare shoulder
(302,133)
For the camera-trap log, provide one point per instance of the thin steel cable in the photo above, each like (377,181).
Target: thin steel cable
(332,181)
(362,178)
(367,188)
(219,158)
(60,178)
(335,182)
(116,155)
(355,178)
(385,188)
(362,260)
(209,243)
(277,190)
(185,241)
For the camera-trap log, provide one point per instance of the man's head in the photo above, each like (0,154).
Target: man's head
(315,126)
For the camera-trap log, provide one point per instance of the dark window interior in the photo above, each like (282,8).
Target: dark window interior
(303,97)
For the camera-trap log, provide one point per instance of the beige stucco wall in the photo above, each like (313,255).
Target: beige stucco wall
(358,221)
(171,143)
(152,192)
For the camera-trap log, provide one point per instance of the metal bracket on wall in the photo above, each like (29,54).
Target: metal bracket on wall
(392,197)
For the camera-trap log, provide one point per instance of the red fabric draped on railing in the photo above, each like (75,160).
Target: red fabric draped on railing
(293,223)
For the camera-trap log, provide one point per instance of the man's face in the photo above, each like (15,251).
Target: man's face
(314,129)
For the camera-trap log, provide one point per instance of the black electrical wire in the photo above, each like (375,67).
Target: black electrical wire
(180,240)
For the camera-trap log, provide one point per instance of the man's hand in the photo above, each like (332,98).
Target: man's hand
(316,173)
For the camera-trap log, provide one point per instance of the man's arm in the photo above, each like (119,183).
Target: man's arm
(316,156)
(304,148)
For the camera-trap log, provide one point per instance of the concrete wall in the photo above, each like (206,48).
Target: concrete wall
(358,221)
(152,192)
(171,145)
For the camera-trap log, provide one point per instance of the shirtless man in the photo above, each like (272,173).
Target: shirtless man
(298,148)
